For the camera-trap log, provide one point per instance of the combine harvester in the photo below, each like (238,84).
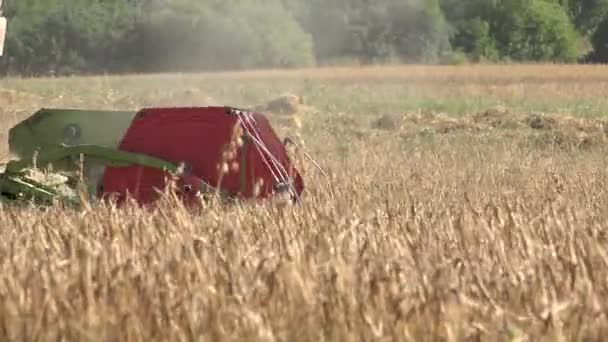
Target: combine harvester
(119,155)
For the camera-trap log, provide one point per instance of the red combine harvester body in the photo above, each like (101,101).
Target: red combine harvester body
(203,139)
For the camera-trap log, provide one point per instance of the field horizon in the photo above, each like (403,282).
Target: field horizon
(466,203)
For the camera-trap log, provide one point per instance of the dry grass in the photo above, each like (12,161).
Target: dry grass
(485,226)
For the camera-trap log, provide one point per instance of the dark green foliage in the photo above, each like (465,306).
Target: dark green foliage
(520,30)
(99,36)
(586,14)
(139,36)
(475,38)
(194,37)
(599,41)
(537,30)
(374,31)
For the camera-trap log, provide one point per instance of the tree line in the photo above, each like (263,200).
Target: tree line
(123,36)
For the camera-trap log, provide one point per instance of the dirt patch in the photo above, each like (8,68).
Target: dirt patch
(539,129)
(386,122)
(497,118)
(543,122)
(288,111)
(437,122)
(286,104)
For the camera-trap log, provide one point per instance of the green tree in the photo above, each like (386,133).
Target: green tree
(475,37)
(599,40)
(97,36)
(586,14)
(536,30)
(419,30)
(94,36)
(200,36)
(373,31)
(521,30)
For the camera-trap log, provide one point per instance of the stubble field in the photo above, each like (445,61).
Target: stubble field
(466,203)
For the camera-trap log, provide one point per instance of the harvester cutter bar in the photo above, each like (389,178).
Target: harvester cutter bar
(15,183)
(20,187)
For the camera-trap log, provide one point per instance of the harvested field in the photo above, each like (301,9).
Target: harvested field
(469,203)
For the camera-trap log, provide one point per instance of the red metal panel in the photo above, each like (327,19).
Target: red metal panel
(197,136)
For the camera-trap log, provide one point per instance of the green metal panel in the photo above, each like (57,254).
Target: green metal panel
(48,128)
(70,127)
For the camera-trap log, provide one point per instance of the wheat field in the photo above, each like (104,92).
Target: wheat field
(462,203)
